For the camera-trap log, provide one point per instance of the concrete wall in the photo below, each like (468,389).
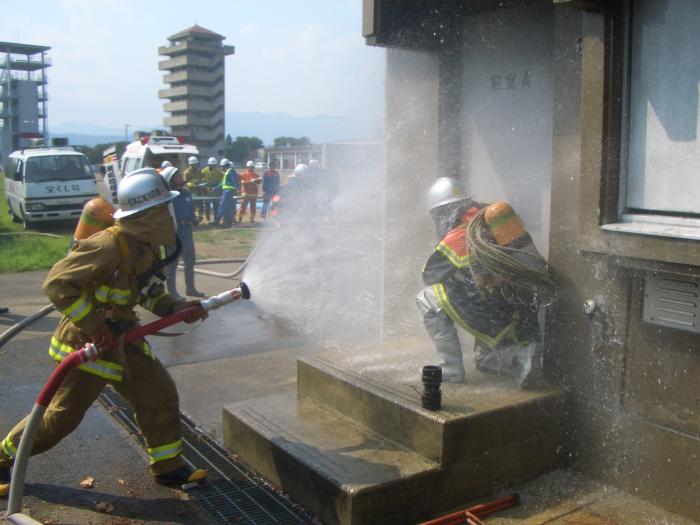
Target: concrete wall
(635,422)
(506,112)
(412,164)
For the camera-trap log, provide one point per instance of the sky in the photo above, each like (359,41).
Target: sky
(304,58)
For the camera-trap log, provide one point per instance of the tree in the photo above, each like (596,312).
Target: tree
(290,142)
(94,153)
(242,149)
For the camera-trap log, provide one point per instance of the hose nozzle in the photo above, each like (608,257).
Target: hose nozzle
(217,301)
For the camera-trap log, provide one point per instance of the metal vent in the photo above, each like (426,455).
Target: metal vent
(232,494)
(672,300)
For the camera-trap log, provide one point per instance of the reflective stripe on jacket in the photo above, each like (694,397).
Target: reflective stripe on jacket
(98,279)
(449,269)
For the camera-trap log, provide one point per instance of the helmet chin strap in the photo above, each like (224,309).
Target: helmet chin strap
(160,263)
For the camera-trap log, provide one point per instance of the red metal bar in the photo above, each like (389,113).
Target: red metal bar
(479,511)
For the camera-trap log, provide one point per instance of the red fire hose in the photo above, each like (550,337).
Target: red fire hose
(89,352)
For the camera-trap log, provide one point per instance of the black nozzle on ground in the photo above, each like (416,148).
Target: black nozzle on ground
(431,399)
(245,291)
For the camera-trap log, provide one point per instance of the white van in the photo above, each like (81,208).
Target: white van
(47,184)
(148,152)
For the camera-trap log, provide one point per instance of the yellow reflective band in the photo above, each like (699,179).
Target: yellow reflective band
(168,451)
(78,310)
(452,256)
(119,296)
(105,369)
(148,351)
(444,304)
(9,448)
(102,293)
(112,371)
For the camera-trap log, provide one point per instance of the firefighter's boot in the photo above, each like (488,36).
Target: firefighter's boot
(181,476)
(5,478)
(530,359)
(190,290)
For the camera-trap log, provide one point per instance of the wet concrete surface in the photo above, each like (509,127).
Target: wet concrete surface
(239,353)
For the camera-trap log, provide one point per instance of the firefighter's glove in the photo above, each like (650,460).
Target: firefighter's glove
(196,314)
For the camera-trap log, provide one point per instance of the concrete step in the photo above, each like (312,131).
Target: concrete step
(483,416)
(345,472)
(356,446)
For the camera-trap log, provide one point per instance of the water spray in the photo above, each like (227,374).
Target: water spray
(87,353)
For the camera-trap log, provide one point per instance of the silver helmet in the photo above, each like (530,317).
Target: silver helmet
(140,190)
(192,160)
(168,174)
(301,170)
(445,190)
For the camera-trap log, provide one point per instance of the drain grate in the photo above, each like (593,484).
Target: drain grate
(232,493)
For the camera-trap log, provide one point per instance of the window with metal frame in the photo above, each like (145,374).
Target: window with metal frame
(659,186)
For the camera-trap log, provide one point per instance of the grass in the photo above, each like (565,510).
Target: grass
(23,251)
(214,243)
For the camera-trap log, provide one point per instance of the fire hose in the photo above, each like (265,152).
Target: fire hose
(473,515)
(89,352)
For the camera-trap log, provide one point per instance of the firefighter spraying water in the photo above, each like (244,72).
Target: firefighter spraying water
(99,340)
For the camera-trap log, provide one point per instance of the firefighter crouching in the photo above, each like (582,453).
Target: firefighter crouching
(96,288)
(486,276)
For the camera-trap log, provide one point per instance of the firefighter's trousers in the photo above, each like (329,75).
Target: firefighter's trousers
(443,333)
(148,388)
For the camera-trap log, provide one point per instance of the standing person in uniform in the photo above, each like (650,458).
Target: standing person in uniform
(193,180)
(97,287)
(249,191)
(486,276)
(230,186)
(212,176)
(185,219)
(270,188)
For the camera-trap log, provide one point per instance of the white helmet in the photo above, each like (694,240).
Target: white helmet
(140,190)
(300,170)
(250,164)
(193,160)
(166,164)
(445,190)
(224,162)
(168,174)
(314,163)
(212,161)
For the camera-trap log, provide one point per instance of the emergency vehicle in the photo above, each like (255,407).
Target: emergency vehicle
(48,184)
(147,152)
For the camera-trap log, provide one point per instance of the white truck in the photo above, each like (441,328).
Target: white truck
(148,152)
(47,184)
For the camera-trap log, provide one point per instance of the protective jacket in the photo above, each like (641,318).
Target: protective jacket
(249,183)
(271,182)
(193,179)
(213,177)
(231,181)
(98,281)
(492,318)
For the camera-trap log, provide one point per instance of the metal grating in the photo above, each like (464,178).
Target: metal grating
(672,300)
(232,493)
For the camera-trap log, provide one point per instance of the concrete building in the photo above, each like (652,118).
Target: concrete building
(195,72)
(23,95)
(583,115)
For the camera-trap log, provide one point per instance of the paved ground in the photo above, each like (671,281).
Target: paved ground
(217,363)
(238,353)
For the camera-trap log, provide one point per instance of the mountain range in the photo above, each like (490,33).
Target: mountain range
(267,126)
